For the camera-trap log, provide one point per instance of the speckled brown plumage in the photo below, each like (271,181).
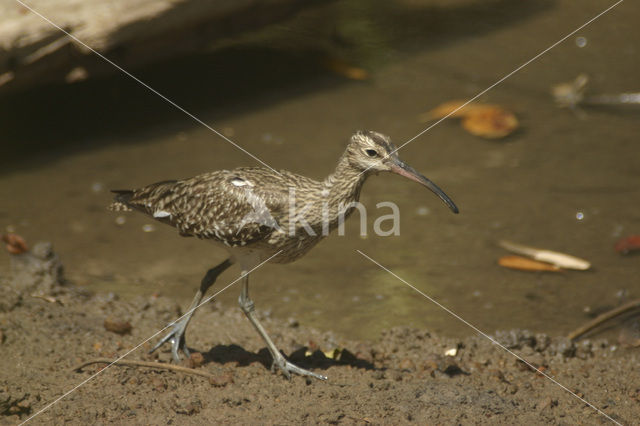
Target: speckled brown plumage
(219,205)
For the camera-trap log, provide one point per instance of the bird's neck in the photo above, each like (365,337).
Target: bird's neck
(334,199)
(344,184)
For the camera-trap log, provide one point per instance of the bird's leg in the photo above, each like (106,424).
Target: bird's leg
(279,361)
(178,328)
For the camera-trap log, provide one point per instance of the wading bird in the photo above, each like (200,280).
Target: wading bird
(248,212)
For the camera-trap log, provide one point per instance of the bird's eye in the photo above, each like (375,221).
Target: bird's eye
(371,152)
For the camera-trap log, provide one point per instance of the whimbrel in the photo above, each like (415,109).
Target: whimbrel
(248,212)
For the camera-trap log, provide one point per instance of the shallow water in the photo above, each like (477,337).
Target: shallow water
(64,147)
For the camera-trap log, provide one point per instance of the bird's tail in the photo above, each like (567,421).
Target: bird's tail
(121,200)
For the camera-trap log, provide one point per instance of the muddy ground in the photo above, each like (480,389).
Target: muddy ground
(48,326)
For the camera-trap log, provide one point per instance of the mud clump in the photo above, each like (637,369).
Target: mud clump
(37,271)
(117,326)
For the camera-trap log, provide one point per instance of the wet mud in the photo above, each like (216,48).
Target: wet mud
(49,326)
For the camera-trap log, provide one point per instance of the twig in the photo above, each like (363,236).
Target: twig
(46,298)
(634,304)
(133,363)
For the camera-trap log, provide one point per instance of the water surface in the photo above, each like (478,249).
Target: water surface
(64,147)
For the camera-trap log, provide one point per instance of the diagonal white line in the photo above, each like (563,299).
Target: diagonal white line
(145,85)
(495,342)
(51,404)
(502,79)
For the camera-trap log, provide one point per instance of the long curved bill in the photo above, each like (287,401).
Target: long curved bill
(403,169)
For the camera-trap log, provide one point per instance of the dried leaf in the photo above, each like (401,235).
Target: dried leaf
(523,264)
(628,244)
(15,243)
(491,122)
(561,260)
(346,70)
(484,120)
(455,108)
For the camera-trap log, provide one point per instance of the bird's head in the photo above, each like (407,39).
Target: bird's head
(370,151)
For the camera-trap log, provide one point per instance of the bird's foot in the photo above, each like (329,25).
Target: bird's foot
(287,368)
(176,337)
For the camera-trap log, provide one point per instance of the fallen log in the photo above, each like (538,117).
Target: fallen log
(131,33)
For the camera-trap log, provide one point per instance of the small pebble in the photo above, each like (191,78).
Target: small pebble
(195,360)
(159,384)
(581,41)
(121,220)
(221,380)
(451,352)
(117,326)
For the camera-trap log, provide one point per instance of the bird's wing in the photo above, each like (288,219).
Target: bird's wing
(235,207)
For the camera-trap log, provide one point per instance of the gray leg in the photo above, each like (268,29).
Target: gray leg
(247,306)
(178,328)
